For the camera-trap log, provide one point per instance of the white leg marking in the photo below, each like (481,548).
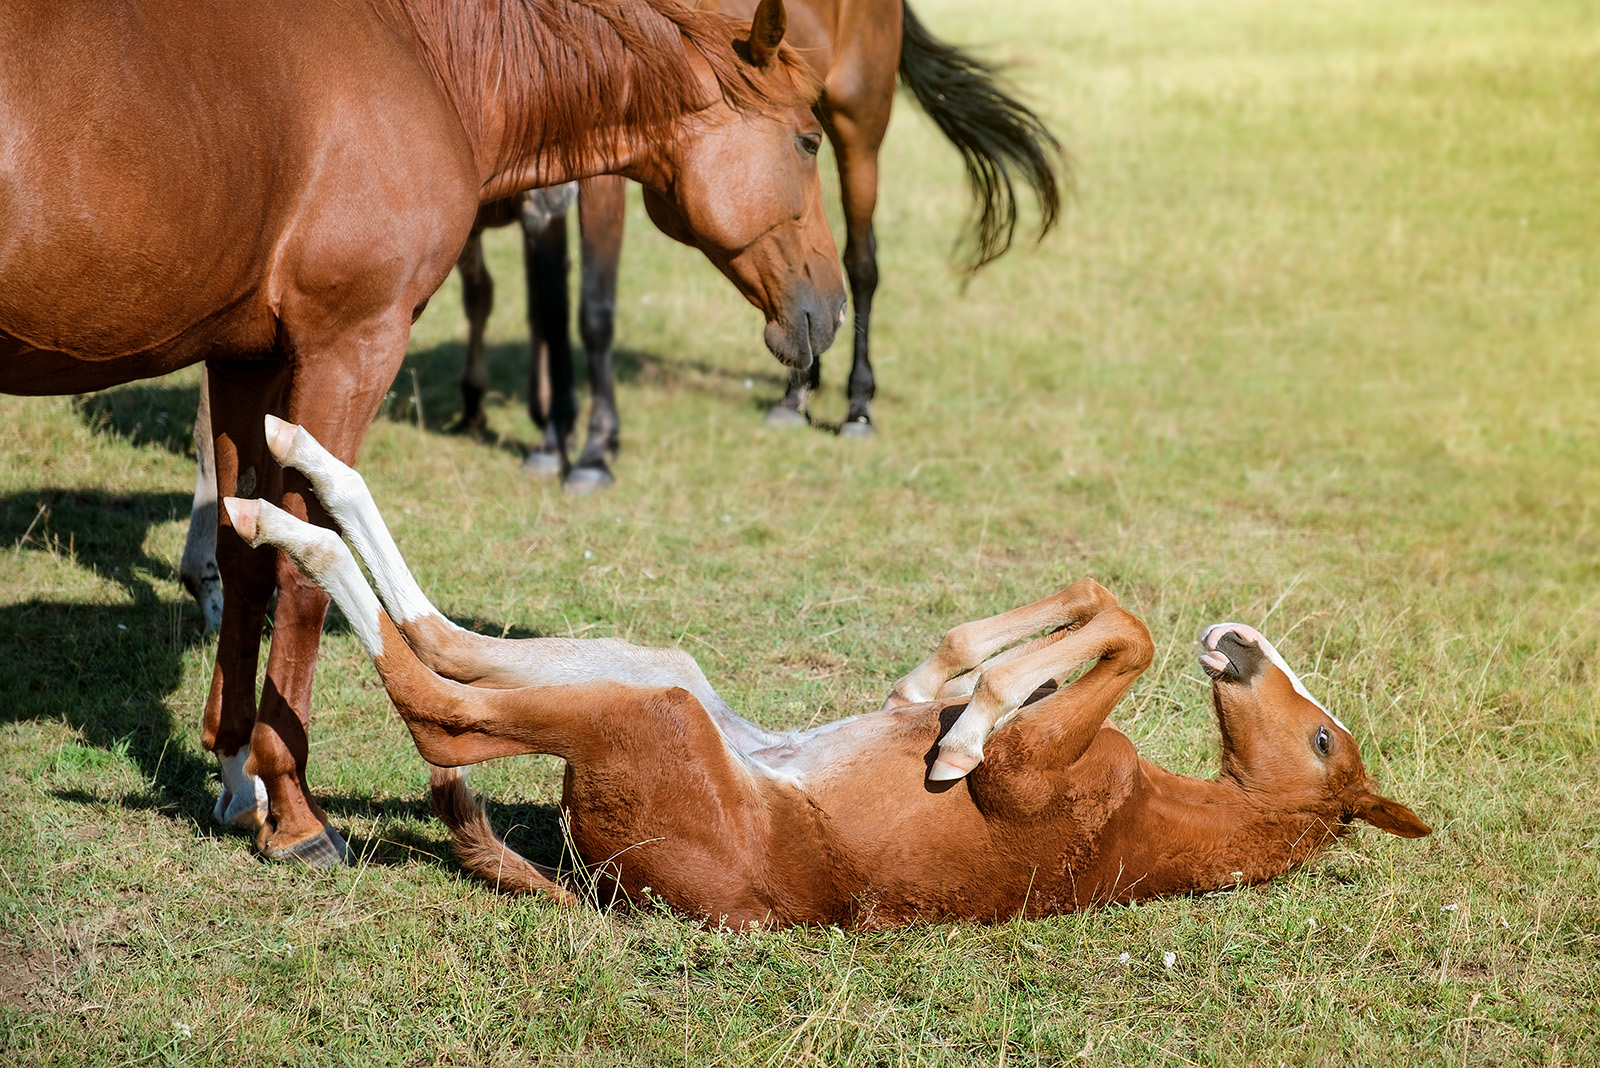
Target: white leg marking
(321,555)
(346,497)
(243,801)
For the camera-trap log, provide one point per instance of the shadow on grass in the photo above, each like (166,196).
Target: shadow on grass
(103,669)
(437,372)
(108,671)
(158,413)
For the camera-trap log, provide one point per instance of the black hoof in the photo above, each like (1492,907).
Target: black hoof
(586,480)
(475,425)
(778,415)
(542,464)
(859,427)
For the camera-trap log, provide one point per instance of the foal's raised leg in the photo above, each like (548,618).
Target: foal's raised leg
(1121,648)
(479,659)
(971,644)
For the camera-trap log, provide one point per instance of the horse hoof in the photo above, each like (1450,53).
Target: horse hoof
(464,425)
(779,415)
(858,427)
(583,481)
(325,850)
(542,464)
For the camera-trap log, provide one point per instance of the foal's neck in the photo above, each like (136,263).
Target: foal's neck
(553,90)
(1201,833)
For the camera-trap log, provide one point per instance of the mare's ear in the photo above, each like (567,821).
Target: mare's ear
(1391,816)
(766,32)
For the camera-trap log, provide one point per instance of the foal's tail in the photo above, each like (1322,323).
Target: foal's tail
(997,136)
(478,848)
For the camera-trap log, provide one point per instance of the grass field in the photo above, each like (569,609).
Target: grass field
(1317,347)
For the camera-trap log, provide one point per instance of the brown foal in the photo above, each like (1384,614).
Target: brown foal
(277,188)
(989,785)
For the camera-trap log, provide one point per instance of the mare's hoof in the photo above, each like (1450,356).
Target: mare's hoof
(475,424)
(779,415)
(541,464)
(325,850)
(858,427)
(586,480)
(207,594)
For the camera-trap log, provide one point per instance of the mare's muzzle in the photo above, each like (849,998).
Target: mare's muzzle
(806,326)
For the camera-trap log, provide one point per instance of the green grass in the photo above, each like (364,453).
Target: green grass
(1316,349)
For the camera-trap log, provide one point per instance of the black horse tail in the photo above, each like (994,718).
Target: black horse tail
(997,136)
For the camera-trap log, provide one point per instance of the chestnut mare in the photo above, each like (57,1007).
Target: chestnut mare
(277,188)
(988,786)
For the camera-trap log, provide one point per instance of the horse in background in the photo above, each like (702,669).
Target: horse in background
(290,183)
(990,784)
(857,48)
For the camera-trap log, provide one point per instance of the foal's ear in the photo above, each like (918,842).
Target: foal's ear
(766,32)
(1391,816)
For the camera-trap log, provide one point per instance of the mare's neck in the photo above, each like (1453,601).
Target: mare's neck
(1196,834)
(550,91)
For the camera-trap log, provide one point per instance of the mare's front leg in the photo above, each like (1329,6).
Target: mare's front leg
(198,569)
(602,212)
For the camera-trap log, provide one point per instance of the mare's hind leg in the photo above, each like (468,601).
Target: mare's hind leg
(198,568)
(477,295)
(602,211)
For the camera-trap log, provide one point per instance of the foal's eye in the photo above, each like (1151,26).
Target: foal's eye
(1322,740)
(810,144)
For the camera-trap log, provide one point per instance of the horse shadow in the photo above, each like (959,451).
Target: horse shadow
(108,671)
(429,381)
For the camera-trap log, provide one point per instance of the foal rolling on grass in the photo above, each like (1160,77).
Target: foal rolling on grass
(989,785)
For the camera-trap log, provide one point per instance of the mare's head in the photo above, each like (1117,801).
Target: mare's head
(740,183)
(1282,746)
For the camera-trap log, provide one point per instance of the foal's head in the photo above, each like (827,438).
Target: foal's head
(740,183)
(1282,746)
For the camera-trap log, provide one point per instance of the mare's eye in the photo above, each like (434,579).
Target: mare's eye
(1322,740)
(810,144)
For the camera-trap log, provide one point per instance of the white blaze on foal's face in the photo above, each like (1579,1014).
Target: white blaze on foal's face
(1273,729)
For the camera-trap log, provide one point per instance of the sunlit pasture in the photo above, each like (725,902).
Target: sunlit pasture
(1316,347)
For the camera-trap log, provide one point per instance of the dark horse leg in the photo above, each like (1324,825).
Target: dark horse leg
(338,392)
(857,97)
(602,213)
(477,295)
(550,398)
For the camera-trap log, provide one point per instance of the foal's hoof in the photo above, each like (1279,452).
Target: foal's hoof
(780,415)
(325,850)
(586,480)
(540,464)
(951,765)
(858,426)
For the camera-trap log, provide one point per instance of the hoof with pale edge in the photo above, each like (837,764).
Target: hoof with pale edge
(949,766)
(859,427)
(586,480)
(778,415)
(542,464)
(325,850)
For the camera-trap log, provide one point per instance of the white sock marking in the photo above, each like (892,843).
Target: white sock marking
(241,793)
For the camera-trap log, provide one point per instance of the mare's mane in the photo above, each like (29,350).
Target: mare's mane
(560,66)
